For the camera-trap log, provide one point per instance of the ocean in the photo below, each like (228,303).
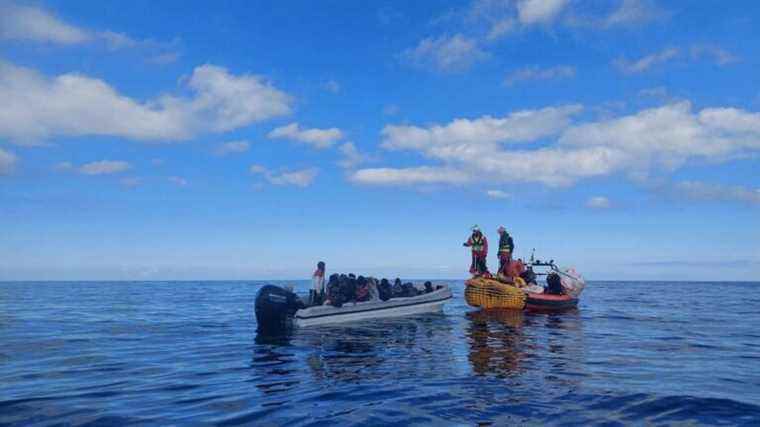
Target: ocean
(187,353)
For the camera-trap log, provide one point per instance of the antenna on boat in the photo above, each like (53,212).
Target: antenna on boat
(532,252)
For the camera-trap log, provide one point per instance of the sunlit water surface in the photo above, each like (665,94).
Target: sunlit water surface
(188,353)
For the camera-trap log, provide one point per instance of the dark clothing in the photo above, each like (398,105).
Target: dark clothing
(554,285)
(478,266)
(506,243)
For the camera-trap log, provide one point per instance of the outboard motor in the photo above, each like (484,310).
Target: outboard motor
(275,307)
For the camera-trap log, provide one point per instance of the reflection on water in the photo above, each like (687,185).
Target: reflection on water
(364,351)
(496,341)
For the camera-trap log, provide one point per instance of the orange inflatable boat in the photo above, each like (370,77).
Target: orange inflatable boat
(538,302)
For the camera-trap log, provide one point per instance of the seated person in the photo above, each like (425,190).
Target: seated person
(554,285)
(362,289)
(409,290)
(398,288)
(384,289)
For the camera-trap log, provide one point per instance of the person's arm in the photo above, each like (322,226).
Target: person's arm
(485,245)
(468,242)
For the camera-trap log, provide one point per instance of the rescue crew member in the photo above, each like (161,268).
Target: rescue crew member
(479,246)
(506,247)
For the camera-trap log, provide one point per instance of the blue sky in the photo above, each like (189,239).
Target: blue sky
(248,140)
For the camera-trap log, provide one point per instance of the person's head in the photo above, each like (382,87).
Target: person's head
(501,230)
(397,281)
(321,266)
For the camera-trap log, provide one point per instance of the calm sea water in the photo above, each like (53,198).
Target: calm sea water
(188,353)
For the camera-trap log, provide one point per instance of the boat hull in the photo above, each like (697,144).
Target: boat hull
(541,302)
(321,315)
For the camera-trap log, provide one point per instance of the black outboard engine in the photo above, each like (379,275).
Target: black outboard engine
(275,307)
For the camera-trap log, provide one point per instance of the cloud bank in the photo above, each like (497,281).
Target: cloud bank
(73,104)
(655,140)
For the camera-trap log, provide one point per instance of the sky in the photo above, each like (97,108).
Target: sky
(245,140)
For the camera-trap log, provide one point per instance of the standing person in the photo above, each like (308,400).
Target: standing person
(479,246)
(506,247)
(318,284)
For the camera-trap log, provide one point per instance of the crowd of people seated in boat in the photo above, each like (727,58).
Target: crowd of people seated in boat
(348,288)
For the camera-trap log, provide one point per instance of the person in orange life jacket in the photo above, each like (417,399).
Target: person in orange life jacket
(479,246)
(506,247)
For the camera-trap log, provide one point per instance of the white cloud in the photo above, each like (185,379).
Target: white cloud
(318,138)
(732,120)
(299,178)
(539,11)
(668,136)
(35,24)
(116,41)
(501,28)
(232,147)
(104,167)
(719,55)
(491,20)
(18,22)
(445,53)
(646,62)
(535,73)
(178,180)
(655,140)
(7,162)
(598,202)
(331,86)
(633,12)
(498,194)
(696,190)
(351,156)
(409,176)
(697,52)
(76,105)
(466,136)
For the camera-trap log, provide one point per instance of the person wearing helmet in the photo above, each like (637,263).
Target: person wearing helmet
(506,247)
(479,246)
